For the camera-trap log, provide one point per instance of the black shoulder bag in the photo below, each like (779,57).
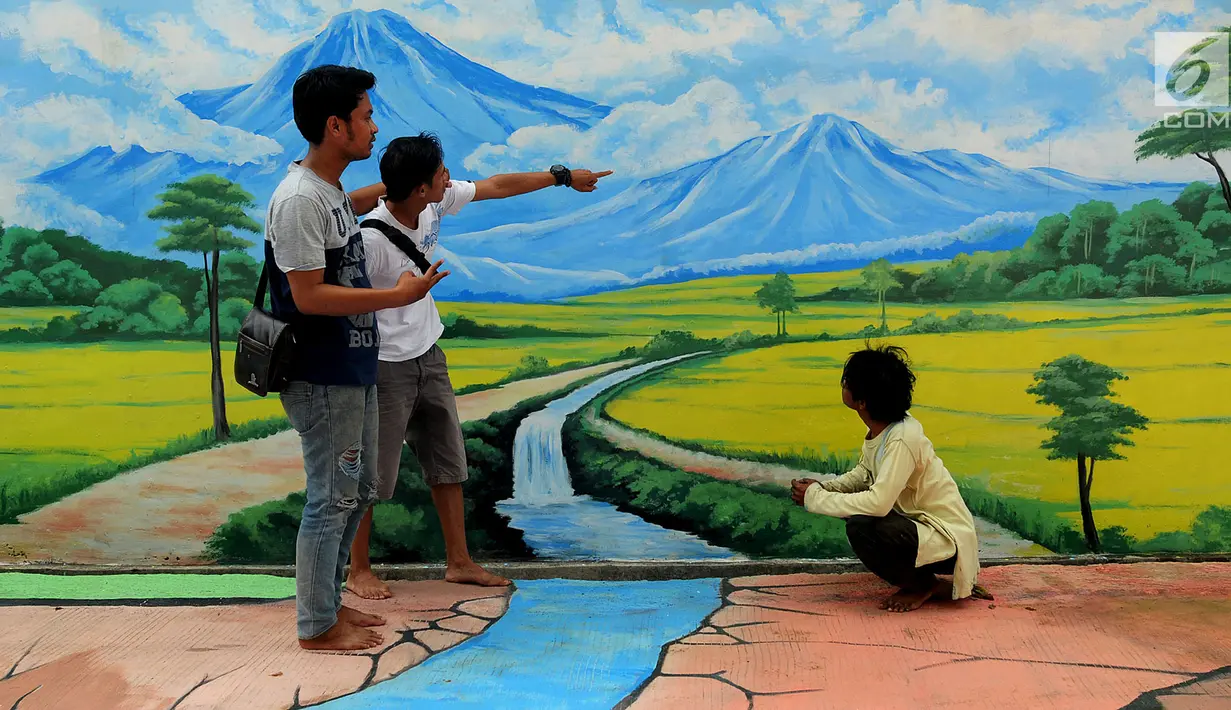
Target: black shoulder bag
(265,346)
(401,241)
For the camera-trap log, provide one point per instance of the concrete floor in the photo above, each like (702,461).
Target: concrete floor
(1148,635)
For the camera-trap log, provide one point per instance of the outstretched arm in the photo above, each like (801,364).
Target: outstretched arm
(498,187)
(365,199)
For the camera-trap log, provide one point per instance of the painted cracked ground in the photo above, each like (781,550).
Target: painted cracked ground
(1147,635)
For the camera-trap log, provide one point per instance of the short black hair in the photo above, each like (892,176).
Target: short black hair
(326,91)
(880,377)
(408,162)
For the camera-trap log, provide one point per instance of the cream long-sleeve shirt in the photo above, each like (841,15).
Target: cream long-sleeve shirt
(899,470)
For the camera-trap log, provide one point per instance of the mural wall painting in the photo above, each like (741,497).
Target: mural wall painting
(790,180)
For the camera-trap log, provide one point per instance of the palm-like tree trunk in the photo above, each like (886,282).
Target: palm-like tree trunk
(222,430)
(1222,176)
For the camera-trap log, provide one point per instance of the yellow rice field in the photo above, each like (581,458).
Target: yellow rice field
(716,313)
(972,401)
(34,316)
(72,405)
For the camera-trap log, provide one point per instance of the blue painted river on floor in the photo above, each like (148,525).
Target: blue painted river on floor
(563,644)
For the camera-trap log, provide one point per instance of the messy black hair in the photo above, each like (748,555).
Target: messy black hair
(326,91)
(881,379)
(409,162)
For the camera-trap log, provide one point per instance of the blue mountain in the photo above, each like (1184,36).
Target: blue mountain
(421,85)
(826,193)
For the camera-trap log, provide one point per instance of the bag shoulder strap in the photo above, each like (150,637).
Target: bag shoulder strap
(261,284)
(400,240)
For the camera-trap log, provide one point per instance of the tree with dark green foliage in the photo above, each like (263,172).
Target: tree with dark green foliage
(778,295)
(1210,135)
(23,288)
(1085,239)
(1151,227)
(1154,275)
(136,307)
(1083,281)
(32,273)
(1191,204)
(69,284)
(105,266)
(203,210)
(1212,530)
(1194,249)
(1090,426)
(878,279)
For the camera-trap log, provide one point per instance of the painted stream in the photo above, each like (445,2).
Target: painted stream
(564,643)
(561,525)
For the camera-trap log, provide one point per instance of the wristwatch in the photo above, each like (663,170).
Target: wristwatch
(563,175)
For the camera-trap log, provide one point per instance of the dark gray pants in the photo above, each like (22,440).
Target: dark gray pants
(417,406)
(888,547)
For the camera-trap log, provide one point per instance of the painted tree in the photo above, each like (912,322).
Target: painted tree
(1150,227)
(1197,132)
(1085,239)
(878,279)
(1194,248)
(778,295)
(1153,275)
(1209,135)
(203,210)
(1191,204)
(1090,427)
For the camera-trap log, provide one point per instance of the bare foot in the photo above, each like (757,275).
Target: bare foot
(355,617)
(911,599)
(471,573)
(366,585)
(343,637)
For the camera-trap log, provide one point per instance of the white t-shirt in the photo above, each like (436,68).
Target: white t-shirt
(409,331)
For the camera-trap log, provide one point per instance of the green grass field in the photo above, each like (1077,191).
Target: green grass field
(971,398)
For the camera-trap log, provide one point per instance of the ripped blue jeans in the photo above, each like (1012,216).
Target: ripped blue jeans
(337,428)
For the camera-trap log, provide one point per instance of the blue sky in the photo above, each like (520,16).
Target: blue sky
(1018,81)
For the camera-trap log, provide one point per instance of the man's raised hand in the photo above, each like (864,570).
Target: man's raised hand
(413,288)
(586,181)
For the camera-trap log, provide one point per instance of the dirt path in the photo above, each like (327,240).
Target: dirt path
(994,540)
(163,513)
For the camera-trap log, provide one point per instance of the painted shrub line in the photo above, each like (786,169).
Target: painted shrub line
(406,528)
(759,521)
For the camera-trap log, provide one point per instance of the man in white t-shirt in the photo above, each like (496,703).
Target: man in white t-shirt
(414,393)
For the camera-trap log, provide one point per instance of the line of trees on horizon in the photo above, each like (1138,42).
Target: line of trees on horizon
(1093,251)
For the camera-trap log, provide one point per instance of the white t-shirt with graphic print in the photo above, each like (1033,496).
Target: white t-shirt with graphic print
(409,331)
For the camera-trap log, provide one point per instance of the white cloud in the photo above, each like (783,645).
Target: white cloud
(59,127)
(587,56)
(60,32)
(917,118)
(637,138)
(922,119)
(238,22)
(810,18)
(1054,34)
(74,40)
(980,230)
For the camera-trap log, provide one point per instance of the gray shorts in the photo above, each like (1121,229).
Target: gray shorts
(416,404)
